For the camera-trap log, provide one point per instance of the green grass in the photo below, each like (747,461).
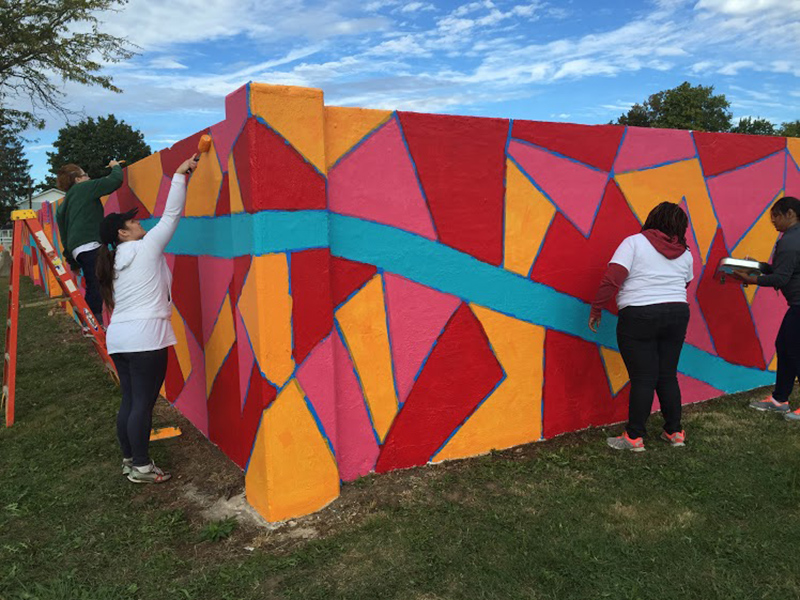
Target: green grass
(566,519)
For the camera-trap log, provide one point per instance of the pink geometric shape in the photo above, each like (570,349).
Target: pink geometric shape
(694,390)
(768,309)
(377,182)
(417,315)
(316,377)
(161,199)
(112,204)
(170,261)
(741,195)
(224,133)
(215,277)
(792,177)
(697,333)
(645,147)
(192,399)
(246,357)
(574,188)
(340,405)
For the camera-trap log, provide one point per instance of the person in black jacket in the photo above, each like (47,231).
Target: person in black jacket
(784,276)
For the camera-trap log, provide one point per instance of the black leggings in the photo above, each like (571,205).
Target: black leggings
(141,375)
(650,340)
(787,347)
(93,298)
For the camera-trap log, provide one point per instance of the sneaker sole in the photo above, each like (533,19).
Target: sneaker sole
(626,449)
(134,480)
(772,410)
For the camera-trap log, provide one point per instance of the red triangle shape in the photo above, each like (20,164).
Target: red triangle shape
(720,152)
(594,145)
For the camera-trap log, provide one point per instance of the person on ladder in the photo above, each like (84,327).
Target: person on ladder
(135,284)
(78,218)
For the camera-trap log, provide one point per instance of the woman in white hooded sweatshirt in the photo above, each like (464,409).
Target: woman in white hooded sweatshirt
(135,283)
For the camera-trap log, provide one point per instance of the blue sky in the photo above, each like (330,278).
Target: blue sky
(578,61)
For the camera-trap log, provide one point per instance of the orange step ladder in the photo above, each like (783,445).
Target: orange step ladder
(26,222)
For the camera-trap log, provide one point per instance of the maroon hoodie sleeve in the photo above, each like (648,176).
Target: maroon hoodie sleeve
(609,286)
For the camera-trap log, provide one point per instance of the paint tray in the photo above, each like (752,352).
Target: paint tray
(728,265)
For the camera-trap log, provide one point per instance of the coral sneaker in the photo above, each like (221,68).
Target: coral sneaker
(793,415)
(769,404)
(625,442)
(676,439)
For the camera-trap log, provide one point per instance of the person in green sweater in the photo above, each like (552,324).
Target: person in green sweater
(78,218)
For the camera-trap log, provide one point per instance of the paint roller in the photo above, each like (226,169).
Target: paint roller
(203,146)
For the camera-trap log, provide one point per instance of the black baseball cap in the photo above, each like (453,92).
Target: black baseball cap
(112,223)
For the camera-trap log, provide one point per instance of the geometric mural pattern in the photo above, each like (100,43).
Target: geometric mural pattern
(359,291)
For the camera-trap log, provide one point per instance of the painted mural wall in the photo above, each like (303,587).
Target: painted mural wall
(359,291)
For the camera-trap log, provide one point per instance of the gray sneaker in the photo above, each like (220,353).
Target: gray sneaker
(792,415)
(148,474)
(769,404)
(623,442)
(127,465)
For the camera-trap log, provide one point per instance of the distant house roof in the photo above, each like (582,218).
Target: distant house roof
(36,201)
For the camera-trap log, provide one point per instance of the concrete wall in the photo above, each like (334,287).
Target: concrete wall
(359,290)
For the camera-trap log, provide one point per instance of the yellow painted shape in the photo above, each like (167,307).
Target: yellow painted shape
(182,347)
(363,323)
(266,308)
(646,189)
(204,185)
(296,113)
(237,205)
(144,178)
(512,415)
(773,366)
(758,244)
(345,127)
(292,471)
(220,342)
(615,369)
(793,144)
(528,216)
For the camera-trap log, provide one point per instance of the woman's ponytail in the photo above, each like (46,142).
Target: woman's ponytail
(104,269)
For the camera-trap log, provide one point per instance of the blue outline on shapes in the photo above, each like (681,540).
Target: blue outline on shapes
(455,273)
(340,333)
(747,165)
(703,266)
(263,121)
(320,426)
(505,188)
(362,141)
(389,337)
(586,235)
(563,156)
(470,415)
(416,174)
(612,172)
(710,201)
(605,368)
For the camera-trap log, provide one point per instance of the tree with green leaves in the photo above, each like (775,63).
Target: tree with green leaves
(757,126)
(91,143)
(790,129)
(687,106)
(42,41)
(15,180)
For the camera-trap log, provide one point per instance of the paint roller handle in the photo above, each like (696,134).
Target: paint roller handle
(114,163)
(188,165)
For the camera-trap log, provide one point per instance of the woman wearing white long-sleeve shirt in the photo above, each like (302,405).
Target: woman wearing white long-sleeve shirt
(135,283)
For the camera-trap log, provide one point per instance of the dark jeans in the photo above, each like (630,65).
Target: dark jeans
(787,347)
(93,298)
(650,339)
(141,375)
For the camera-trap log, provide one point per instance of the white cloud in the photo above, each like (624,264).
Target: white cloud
(747,7)
(734,67)
(164,62)
(417,6)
